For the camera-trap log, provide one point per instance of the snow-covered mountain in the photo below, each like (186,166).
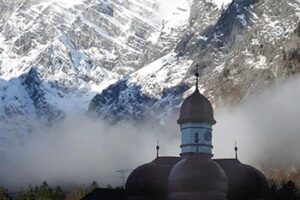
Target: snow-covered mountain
(56,55)
(243,48)
(131,59)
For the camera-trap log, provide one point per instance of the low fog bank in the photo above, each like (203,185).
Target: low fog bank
(80,150)
(266,127)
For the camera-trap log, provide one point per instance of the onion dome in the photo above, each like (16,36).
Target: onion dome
(197,177)
(150,181)
(196,109)
(244,182)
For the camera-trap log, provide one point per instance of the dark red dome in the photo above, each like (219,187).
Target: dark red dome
(245,182)
(150,181)
(197,109)
(197,177)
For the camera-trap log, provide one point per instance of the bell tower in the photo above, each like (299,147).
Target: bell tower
(196,120)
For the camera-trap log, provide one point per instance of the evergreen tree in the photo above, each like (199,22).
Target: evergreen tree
(44,192)
(109,186)
(76,194)
(273,195)
(31,195)
(288,191)
(59,194)
(21,196)
(28,194)
(92,187)
(4,195)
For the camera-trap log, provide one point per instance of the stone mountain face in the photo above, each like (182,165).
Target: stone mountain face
(56,55)
(135,59)
(238,50)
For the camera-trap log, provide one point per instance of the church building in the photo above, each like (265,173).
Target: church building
(195,175)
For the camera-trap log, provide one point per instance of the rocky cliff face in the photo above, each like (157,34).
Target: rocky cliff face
(55,56)
(238,50)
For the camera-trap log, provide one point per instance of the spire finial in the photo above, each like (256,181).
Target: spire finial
(236,150)
(157,149)
(197,76)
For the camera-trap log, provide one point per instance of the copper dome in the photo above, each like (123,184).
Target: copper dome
(196,109)
(197,177)
(150,181)
(245,182)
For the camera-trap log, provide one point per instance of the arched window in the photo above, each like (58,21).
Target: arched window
(196,137)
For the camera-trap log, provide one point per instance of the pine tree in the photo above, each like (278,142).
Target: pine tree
(44,192)
(288,191)
(92,187)
(273,195)
(109,186)
(28,194)
(59,194)
(76,194)
(4,195)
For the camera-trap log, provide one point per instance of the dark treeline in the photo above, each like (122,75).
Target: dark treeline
(286,190)
(46,192)
(278,191)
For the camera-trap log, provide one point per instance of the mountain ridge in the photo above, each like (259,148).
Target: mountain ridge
(231,68)
(123,61)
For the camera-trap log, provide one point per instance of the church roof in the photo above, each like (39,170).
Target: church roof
(197,174)
(196,109)
(105,194)
(151,180)
(245,182)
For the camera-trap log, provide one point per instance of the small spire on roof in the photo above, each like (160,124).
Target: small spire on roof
(236,150)
(157,149)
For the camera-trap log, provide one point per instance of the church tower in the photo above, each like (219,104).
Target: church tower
(196,120)
(197,176)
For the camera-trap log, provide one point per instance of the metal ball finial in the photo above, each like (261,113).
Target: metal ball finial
(236,150)
(157,149)
(197,78)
